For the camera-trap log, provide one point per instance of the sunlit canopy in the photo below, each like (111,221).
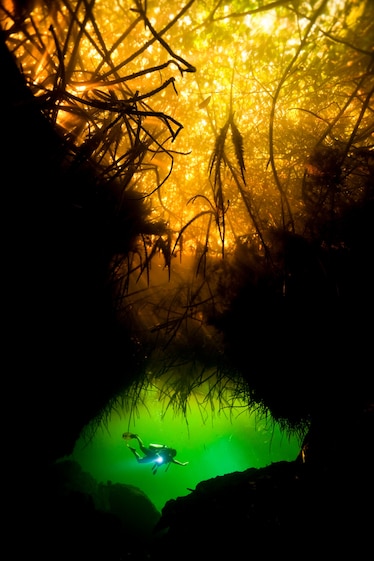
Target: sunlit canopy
(290,74)
(231,118)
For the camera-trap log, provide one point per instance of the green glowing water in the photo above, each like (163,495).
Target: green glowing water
(213,444)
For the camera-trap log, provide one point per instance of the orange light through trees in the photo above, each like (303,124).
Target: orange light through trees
(225,116)
(283,71)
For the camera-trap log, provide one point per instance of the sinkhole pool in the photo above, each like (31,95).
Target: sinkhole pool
(214,443)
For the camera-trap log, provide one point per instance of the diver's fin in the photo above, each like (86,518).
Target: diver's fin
(128,435)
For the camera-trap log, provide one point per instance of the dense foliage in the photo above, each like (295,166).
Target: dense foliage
(247,127)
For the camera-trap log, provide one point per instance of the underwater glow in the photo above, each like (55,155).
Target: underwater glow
(213,443)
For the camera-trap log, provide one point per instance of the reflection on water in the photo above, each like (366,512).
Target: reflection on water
(213,446)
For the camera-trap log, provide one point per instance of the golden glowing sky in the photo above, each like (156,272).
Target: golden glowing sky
(282,72)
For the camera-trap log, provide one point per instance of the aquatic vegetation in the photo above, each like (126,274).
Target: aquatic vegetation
(230,194)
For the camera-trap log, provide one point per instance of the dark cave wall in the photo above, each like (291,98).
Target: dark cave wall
(304,351)
(96,520)
(68,356)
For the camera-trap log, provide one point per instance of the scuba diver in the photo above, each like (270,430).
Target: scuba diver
(157,453)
